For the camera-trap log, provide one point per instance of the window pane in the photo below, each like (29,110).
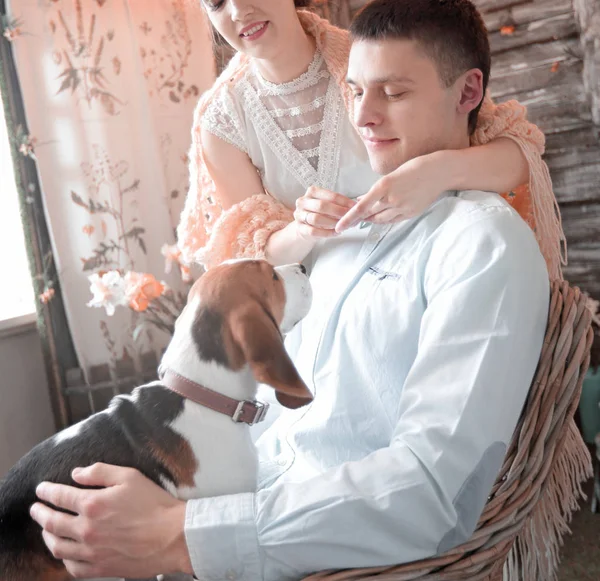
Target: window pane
(16,290)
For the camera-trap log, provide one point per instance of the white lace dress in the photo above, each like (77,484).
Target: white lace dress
(297,134)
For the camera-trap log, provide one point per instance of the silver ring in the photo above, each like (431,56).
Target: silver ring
(305,219)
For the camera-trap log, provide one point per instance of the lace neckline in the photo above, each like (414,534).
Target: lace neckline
(310,77)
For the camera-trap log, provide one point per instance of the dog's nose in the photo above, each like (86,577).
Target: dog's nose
(303,268)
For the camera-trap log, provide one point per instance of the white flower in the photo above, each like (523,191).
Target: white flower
(108,290)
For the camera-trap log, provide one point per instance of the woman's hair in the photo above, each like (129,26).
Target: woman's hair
(302,3)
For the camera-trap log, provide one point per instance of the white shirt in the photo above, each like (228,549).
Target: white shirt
(420,348)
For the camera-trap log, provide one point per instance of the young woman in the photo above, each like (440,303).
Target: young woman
(274,135)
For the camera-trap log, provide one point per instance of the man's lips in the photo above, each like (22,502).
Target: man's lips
(374,139)
(378,141)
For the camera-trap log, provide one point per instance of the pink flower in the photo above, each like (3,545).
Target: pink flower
(27,147)
(10,33)
(141,289)
(47,296)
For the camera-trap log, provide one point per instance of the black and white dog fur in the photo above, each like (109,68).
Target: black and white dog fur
(227,339)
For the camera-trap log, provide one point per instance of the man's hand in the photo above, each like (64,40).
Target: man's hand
(404,193)
(128,528)
(318,211)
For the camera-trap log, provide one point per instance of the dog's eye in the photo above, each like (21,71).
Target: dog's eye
(275,276)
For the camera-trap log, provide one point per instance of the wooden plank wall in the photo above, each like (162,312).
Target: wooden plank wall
(541,65)
(537,58)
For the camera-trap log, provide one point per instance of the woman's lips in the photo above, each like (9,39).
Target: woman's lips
(254,30)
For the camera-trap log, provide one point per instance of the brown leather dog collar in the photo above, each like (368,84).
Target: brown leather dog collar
(240,411)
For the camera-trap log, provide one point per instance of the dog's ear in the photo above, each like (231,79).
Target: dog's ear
(257,336)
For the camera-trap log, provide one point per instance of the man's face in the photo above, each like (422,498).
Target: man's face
(401,107)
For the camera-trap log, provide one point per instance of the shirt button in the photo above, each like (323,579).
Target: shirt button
(231,575)
(374,237)
(281,462)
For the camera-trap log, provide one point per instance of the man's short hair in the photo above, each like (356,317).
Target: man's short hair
(451,33)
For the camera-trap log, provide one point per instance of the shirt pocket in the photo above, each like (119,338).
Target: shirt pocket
(371,303)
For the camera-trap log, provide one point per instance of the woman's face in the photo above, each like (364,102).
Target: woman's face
(258,28)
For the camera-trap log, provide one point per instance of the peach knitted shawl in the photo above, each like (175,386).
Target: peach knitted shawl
(209,235)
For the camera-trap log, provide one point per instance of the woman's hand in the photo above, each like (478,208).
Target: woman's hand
(318,211)
(316,215)
(404,193)
(127,528)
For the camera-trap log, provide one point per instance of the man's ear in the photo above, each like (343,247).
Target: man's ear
(257,336)
(470,85)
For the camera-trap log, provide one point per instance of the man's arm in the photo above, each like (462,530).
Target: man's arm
(481,335)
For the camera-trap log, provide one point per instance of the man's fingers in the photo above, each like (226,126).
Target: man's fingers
(103,475)
(53,521)
(65,549)
(65,497)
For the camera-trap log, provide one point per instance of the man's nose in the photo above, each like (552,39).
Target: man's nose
(366,112)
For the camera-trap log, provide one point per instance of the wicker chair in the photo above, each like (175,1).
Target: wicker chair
(540,432)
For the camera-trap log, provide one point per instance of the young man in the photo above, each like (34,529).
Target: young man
(421,345)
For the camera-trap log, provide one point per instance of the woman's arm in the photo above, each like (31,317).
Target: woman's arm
(236,179)
(231,169)
(409,190)
(499,166)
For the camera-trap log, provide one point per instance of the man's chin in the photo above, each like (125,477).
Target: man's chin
(381,165)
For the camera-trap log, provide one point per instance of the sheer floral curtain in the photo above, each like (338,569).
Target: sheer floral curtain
(109,88)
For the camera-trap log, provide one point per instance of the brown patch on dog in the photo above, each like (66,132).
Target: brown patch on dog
(56,573)
(37,567)
(221,293)
(242,313)
(178,459)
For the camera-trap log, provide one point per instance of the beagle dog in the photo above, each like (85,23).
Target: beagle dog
(189,430)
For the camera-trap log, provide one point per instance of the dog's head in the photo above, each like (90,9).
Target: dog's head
(235,316)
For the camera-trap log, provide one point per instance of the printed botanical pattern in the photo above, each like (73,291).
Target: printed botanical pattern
(175,170)
(81,56)
(110,203)
(167,57)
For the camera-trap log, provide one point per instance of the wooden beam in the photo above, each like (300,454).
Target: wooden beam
(525,13)
(563,69)
(588,17)
(556,109)
(581,223)
(573,142)
(485,6)
(578,183)
(537,55)
(546,30)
